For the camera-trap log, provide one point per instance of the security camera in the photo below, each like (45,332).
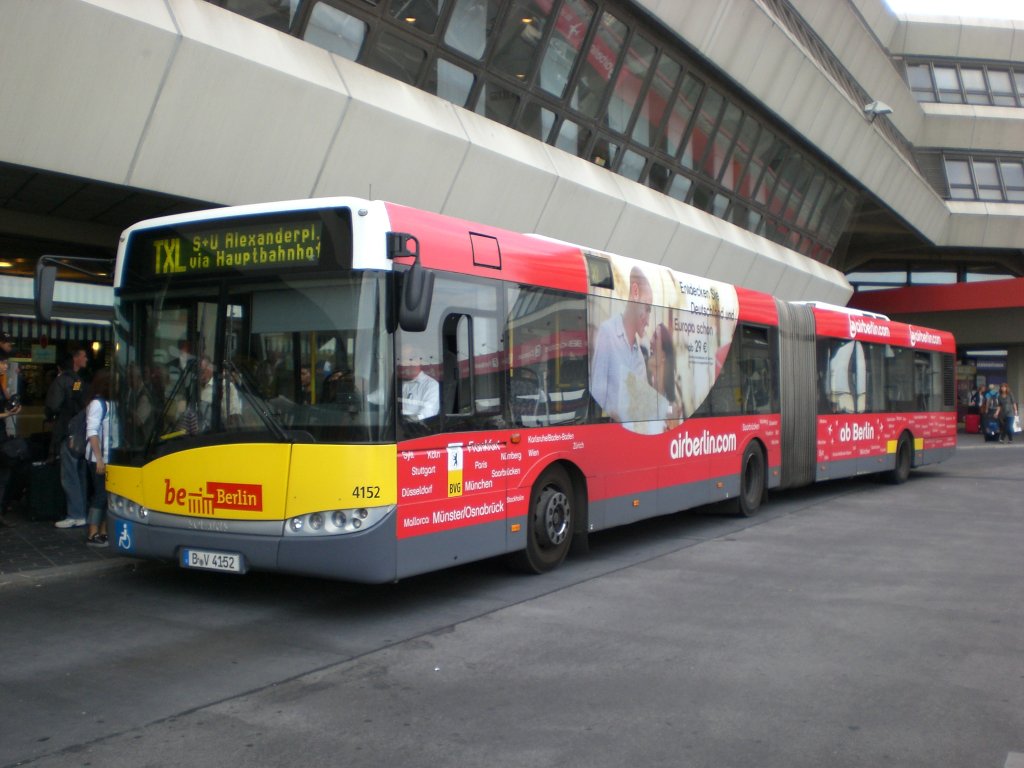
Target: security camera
(876,108)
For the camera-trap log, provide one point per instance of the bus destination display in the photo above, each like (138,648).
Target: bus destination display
(236,248)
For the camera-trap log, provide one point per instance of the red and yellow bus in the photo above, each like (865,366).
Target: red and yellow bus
(364,391)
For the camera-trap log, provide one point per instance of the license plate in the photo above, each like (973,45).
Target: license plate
(206,560)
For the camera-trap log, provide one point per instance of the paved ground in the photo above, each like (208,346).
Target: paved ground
(849,624)
(32,548)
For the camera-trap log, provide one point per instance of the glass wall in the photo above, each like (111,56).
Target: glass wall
(594,79)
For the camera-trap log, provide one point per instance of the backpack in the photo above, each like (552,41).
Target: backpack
(76,431)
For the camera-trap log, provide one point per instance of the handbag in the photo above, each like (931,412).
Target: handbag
(15,450)
(1016,423)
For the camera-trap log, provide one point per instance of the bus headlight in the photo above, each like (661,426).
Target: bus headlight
(126,508)
(335,522)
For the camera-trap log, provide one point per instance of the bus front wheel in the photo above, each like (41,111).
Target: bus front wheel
(549,527)
(751,482)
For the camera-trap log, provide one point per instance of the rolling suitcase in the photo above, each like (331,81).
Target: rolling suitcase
(45,495)
(990,427)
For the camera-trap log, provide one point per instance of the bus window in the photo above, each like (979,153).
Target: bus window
(928,381)
(899,379)
(748,380)
(758,373)
(461,349)
(726,396)
(547,352)
(456,346)
(874,376)
(843,386)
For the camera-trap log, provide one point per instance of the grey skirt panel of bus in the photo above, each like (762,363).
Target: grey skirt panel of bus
(798,394)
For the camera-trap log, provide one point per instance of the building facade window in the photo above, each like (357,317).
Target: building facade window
(989,179)
(966,82)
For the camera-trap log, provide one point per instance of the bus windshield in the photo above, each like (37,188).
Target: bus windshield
(273,360)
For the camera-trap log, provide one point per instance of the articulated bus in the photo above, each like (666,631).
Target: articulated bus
(364,391)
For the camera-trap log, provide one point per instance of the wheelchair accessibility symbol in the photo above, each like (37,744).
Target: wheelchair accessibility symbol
(123,534)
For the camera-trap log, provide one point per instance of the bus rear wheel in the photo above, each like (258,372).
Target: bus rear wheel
(904,460)
(549,527)
(751,482)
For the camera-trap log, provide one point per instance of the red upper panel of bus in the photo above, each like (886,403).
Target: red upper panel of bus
(455,245)
(464,247)
(845,325)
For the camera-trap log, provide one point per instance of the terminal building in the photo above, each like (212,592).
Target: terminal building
(820,150)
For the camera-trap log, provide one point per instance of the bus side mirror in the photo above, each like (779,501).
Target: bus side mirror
(415,298)
(46,278)
(417,285)
(42,293)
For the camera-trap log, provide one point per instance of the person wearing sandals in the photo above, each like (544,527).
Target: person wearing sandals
(97,452)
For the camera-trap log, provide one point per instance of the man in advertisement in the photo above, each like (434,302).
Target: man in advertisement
(619,349)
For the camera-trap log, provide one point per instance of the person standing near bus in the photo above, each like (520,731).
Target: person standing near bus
(1006,412)
(9,381)
(97,453)
(619,350)
(9,408)
(66,397)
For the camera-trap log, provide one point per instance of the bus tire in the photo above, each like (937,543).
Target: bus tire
(752,482)
(904,460)
(549,525)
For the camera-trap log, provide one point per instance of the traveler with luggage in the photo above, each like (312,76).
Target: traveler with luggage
(989,422)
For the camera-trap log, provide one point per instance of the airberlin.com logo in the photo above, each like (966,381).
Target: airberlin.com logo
(237,497)
(861,326)
(918,336)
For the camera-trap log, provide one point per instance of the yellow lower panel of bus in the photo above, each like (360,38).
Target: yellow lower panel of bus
(341,477)
(260,481)
(890,445)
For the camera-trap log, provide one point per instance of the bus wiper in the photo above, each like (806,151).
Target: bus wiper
(255,400)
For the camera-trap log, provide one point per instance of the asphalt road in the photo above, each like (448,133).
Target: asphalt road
(850,624)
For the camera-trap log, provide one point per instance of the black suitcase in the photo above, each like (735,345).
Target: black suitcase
(990,428)
(45,495)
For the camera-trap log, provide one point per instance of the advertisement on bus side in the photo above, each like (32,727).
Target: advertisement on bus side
(658,343)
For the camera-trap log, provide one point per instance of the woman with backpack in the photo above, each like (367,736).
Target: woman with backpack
(97,452)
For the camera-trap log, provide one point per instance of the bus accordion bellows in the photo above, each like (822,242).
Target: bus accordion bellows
(359,390)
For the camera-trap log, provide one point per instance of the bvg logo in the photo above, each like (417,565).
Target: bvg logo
(239,497)
(454,470)
(168,256)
